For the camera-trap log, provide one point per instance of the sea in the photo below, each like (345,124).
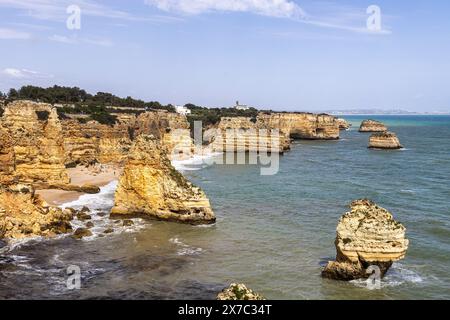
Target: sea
(273,232)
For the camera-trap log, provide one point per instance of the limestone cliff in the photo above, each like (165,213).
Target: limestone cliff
(150,186)
(372,126)
(367,236)
(307,126)
(343,124)
(24,214)
(36,150)
(384,140)
(241,134)
(91,142)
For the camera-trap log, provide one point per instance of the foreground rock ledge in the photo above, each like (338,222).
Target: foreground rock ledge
(24,214)
(367,236)
(384,140)
(152,187)
(372,126)
(239,292)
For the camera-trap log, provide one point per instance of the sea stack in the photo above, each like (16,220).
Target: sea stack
(343,124)
(150,186)
(385,140)
(367,236)
(372,126)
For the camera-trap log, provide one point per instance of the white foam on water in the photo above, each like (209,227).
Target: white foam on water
(396,276)
(195,163)
(185,250)
(100,204)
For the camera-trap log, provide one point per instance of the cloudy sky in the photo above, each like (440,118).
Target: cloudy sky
(279,54)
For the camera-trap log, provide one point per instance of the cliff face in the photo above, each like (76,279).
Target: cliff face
(94,142)
(366,236)
(7,165)
(24,214)
(151,186)
(241,134)
(302,125)
(372,126)
(36,150)
(171,128)
(343,124)
(384,140)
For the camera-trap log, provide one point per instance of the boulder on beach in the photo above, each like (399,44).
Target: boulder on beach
(239,292)
(372,126)
(80,233)
(366,236)
(384,140)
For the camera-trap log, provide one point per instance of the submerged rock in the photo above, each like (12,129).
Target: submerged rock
(384,140)
(80,233)
(151,186)
(367,236)
(239,292)
(372,126)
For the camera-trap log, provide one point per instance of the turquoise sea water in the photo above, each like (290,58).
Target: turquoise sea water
(273,233)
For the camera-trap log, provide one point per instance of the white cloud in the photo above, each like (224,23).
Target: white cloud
(55,10)
(62,39)
(24,74)
(272,8)
(77,40)
(10,34)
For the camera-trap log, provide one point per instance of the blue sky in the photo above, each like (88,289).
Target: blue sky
(279,54)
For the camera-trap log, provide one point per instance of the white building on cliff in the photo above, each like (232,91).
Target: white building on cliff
(182,110)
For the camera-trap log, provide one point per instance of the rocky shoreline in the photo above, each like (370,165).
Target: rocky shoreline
(37,150)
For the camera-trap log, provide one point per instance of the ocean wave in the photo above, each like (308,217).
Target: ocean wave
(100,204)
(396,276)
(195,163)
(185,250)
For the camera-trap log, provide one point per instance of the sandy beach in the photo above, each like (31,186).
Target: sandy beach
(99,175)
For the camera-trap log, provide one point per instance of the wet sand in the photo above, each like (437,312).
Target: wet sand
(99,176)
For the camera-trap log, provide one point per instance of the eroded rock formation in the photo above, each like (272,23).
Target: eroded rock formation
(239,292)
(151,186)
(34,150)
(343,124)
(307,126)
(241,134)
(384,140)
(367,236)
(24,214)
(372,126)
(91,142)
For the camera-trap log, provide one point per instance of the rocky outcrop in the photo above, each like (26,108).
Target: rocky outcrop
(91,142)
(24,214)
(150,186)
(384,140)
(306,126)
(367,236)
(343,124)
(36,150)
(7,163)
(372,126)
(239,292)
(241,134)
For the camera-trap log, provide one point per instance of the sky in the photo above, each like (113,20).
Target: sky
(288,55)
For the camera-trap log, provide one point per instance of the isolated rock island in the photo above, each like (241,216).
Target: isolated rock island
(384,140)
(372,126)
(367,236)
